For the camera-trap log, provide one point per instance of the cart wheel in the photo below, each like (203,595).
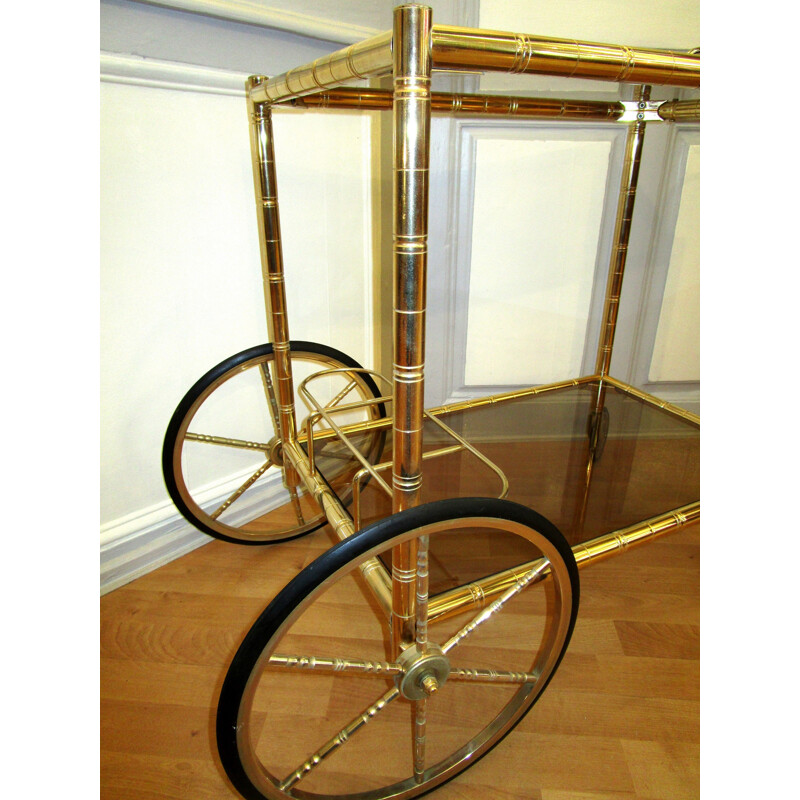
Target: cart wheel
(315,706)
(222,456)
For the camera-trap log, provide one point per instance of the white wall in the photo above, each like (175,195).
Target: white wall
(181,281)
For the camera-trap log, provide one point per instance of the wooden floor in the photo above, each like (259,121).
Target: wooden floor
(619,721)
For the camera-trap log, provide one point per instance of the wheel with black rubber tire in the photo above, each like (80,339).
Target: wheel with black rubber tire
(315,705)
(222,457)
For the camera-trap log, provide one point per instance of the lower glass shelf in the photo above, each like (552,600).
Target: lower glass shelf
(646,463)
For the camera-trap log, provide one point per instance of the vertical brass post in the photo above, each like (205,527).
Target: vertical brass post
(622,232)
(616,271)
(411,119)
(269,234)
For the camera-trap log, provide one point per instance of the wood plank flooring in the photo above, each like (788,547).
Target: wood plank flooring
(619,721)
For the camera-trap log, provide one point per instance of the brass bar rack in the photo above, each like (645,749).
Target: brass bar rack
(411,52)
(544,447)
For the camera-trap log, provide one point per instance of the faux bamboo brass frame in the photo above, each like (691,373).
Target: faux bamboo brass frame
(410,52)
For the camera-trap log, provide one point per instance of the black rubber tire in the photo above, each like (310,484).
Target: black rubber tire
(231,365)
(338,557)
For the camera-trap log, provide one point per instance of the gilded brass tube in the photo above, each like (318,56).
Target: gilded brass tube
(362,60)
(269,233)
(653,401)
(680,111)
(325,413)
(622,232)
(325,664)
(374,573)
(344,736)
(517,394)
(500,51)
(467,104)
(476,594)
(614,543)
(462,405)
(411,124)
(616,271)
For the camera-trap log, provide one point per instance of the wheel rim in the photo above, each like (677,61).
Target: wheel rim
(449,710)
(224,468)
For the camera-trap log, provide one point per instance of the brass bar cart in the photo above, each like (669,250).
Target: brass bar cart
(429,629)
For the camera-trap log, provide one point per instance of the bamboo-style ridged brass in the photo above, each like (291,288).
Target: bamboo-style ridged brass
(622,232)
(269,231)
(411,126)
(472,49)
(532,573)
(467,104)
(371,57)
(326,413)
(477,593)
(461,405)
(651,400)
(500,51)
(430,684)
(374,573)
(367,669)
(374,470)
(339,739)
(680,111)
(326,664)
(224,441)
(410,234)
(517,394)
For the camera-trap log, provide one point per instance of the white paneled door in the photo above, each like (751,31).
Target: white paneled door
(522,220)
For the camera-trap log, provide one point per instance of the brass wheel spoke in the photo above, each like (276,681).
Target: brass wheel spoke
(503,677)
(490,611)
(421,620)
(339,397)
(225,441)
(325,664)
(241,490)
(420,734)
(269,391)
(421,638)
(298,509)
(344,735)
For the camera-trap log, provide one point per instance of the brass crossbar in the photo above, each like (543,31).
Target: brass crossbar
(470,49)
(466,104)
(496,105)
(500,51)
(477,593)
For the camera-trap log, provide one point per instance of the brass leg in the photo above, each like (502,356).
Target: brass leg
(269,232)
(412,110)
(622,232)
(616,271)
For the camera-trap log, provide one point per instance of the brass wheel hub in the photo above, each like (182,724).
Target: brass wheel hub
(424,674)
(275,451)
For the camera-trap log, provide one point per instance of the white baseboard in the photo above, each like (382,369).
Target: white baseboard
(138,543)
